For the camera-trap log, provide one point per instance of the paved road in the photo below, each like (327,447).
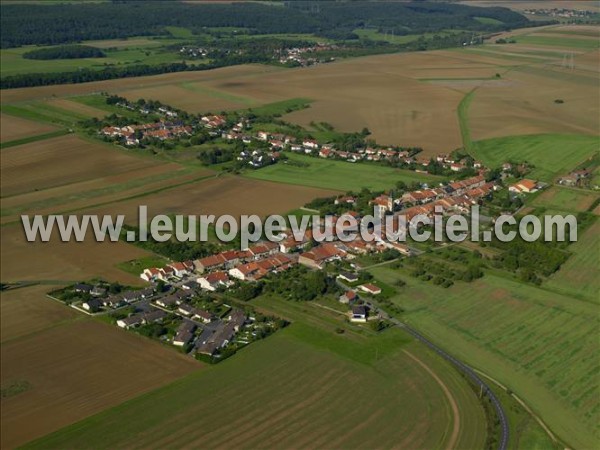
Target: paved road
(503,444)
(485,389)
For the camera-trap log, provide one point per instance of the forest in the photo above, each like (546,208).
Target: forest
(51,24)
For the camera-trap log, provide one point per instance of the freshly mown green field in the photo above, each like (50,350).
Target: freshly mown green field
(579,275)
(585,44)
(551,154)
(541,344)
(286,393)
(340,175)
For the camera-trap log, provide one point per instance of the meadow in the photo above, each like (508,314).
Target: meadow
(539,343)
(259,399)
(130,52)
(571,200)
(551,154)
(338,175)
(578,277)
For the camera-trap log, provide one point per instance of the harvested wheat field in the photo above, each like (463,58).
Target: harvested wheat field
(218,196)
(60,161)
(188,99)
(27,310)
(120,86)
(77,369)
(98,191)
(514,108)
(14,128)
(68,262)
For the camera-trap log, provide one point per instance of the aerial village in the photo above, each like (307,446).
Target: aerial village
(184,306)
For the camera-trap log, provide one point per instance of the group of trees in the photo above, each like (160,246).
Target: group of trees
(301,284)
(65,52)
(173,249)
(466,267)
(531,261)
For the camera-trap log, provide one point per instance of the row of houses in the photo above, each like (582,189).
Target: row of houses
(117,300)
(133,134)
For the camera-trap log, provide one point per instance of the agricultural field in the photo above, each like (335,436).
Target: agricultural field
(74,369)
(551,154)
(579,275)
(273,374)
(566,199)
(220,195)
(49,163)
(27,310)
(120,86)
(16,128)
(337,175)
(63,262)
(539,343)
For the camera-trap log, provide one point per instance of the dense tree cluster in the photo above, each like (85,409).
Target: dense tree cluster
(24,24)
(65,52)
(301,284)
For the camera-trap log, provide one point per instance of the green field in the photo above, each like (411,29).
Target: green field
(285,392)
(43,112)
(463,120)
(340,175)
(541,344)
(13,63)
(551,154)
(565,199)
(579,275)
(585,44)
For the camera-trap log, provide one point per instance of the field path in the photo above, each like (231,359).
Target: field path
(456,426)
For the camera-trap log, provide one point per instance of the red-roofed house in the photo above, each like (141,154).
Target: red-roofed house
(213,281)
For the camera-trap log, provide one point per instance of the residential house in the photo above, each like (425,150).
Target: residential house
(98,291)
(348,297)
(370,289)
(524,186)
(185,333)
(321,255)
(237,318)
(348,276)
(92,305)
(209,263)
(131,321)
(203,315)
(167,302)
(150,274)
(359,314)
(214,280)
(82,287)
(156,316)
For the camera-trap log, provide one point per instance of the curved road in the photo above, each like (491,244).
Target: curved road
(503,444)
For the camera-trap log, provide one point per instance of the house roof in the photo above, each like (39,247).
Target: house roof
(528,184)
(217,277)
(370,287)
(359,310)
